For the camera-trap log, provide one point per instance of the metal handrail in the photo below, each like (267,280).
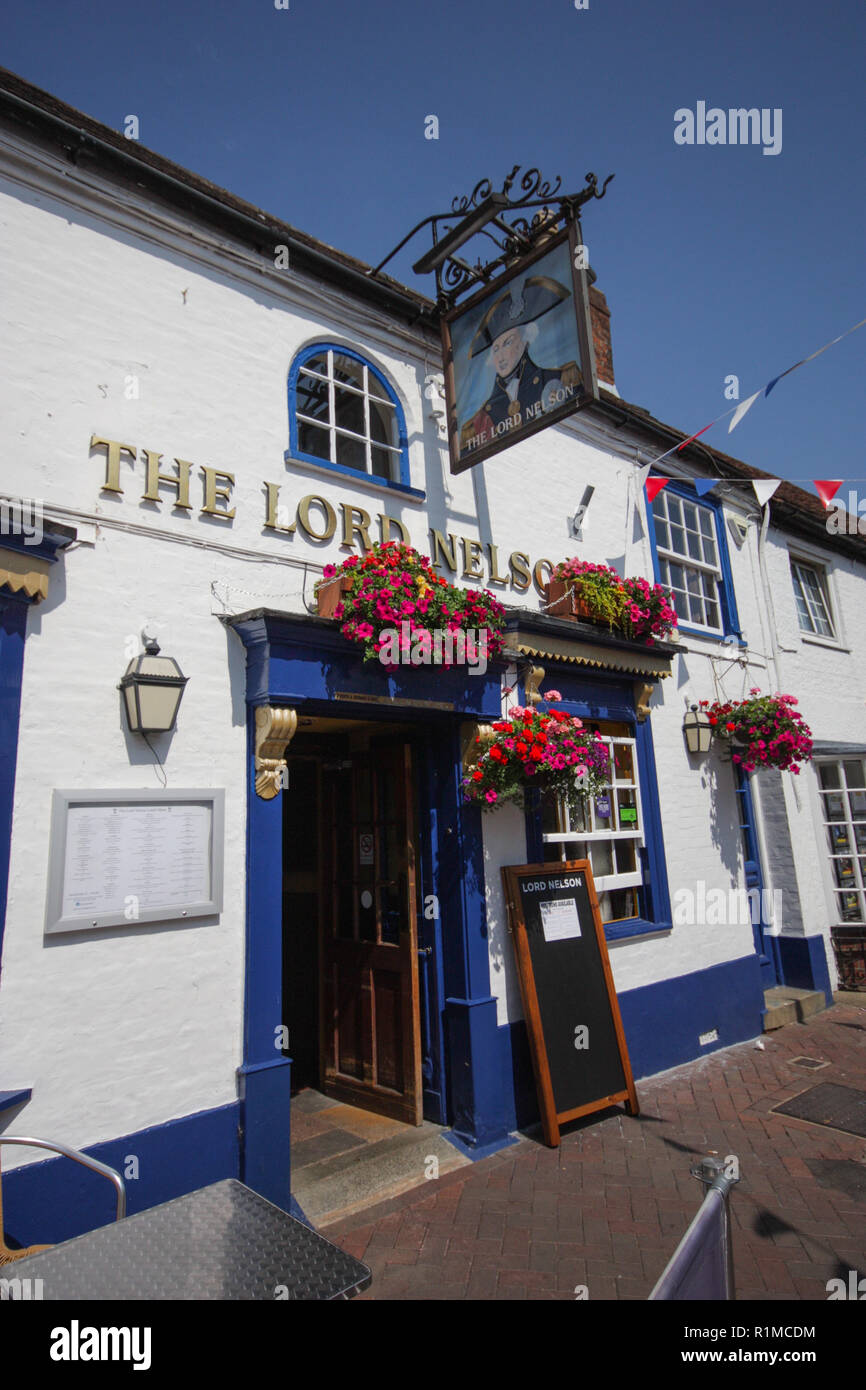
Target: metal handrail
(674,1278)
(78,1157)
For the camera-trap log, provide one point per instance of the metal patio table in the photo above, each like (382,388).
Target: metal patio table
(221,1242)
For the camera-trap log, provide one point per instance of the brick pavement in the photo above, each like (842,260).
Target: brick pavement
(607,1208)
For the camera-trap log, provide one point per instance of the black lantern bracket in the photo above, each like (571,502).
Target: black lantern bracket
(501,218)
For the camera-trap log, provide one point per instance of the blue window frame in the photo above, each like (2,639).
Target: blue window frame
(344,417)
(690,557)
(644,876)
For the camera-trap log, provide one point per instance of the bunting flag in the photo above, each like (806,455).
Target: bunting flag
(738,411)
(764,489)
(741,410)
(827,488)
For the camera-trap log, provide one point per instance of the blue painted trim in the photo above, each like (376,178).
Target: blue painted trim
(662,1023)
(315,350)
(13,629)
(290,456)
(266,1074)
(54,1200)
(727,598)
(9,1099)
(483,1150)
(55,538)
(291,660)
(803,961)
(635,926)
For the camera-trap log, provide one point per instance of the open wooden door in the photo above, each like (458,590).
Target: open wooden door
(371,1037)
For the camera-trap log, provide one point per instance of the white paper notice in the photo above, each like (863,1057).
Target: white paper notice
(157,854)
(559,919)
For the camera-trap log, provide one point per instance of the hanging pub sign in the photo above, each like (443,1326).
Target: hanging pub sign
(576,1036)
(518,355)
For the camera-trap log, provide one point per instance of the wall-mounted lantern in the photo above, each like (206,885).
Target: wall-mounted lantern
(698,730)
(152,688)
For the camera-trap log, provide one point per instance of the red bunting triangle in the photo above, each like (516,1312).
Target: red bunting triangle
(827,488)
(654,487)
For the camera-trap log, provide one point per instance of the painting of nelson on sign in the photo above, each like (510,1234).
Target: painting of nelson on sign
(516,355)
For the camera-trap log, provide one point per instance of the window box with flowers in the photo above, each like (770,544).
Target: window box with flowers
(395,590)
(551,752)
(763,731)
(579,589)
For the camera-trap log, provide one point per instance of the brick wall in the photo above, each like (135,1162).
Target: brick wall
(600,319)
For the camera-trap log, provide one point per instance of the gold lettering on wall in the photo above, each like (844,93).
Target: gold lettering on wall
(214,493)
(114,449)
(472,552)
(350,527)
(304,517)
(316,517)
(449,555)
(179,480)
(540,581)
(385,524)
(495,576)
(274,521)
(520,564)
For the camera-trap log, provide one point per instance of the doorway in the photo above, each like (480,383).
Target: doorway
(350,916)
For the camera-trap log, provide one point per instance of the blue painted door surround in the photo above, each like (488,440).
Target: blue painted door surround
(305,664)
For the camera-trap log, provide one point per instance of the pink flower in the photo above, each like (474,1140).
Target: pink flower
(552,695)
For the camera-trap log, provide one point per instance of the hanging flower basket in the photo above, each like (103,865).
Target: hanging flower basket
(763,731)
(393,603)
(331,592)
(579,589)
(552,752)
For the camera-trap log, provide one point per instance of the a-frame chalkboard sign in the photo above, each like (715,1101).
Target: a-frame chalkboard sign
(572,1015)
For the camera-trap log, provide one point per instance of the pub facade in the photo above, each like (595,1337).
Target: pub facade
(204,408)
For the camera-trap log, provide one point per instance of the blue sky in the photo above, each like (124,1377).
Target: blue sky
(716,260)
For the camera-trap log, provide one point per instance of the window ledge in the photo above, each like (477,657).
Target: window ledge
(634,926)
(721,639)
(830,643)
(362,479)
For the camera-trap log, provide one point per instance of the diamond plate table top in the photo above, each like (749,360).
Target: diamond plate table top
(221,1242)
(837,1107)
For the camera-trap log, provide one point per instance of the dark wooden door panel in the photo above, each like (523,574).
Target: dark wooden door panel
(371,1046)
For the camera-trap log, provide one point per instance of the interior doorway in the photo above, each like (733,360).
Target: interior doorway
(350,915)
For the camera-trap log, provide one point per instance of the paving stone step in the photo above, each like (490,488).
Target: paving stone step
(784,1005)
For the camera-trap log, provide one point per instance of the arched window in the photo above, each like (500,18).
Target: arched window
(343,414)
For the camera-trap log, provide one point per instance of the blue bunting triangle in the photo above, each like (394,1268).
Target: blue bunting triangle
(704,485)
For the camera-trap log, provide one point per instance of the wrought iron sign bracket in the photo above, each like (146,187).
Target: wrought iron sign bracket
(503,220)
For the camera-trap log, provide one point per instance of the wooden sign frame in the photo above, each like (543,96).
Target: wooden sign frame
(551,1119)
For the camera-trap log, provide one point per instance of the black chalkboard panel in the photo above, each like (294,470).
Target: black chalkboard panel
(572,1015)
